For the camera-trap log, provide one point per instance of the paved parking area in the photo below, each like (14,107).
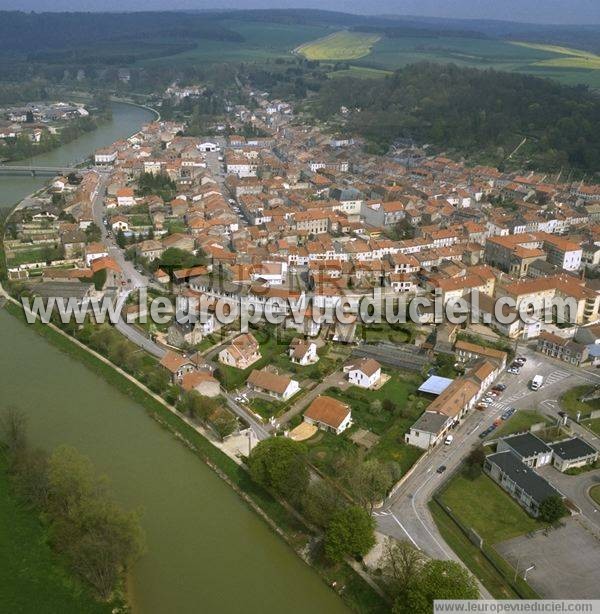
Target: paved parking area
(566,560)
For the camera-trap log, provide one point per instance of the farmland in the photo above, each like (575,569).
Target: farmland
(566,65)
(341,45)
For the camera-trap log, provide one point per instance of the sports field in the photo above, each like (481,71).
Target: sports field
(343,45)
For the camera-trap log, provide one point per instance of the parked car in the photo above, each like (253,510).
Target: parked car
(499,387)
(508,413)
(448,440)
(487,431)
(441,468)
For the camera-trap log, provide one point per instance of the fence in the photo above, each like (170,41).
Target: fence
(502,567)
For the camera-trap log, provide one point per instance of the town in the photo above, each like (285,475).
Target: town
(460,426)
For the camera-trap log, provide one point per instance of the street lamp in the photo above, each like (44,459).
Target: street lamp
(532,566)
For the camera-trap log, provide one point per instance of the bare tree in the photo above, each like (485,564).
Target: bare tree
(400,564)
(13,431)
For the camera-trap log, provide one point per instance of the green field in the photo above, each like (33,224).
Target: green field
(262,42)
(518,423)
(482,505)
(595,494)
(343,45)
(566,65)
(370,53)
(360,72)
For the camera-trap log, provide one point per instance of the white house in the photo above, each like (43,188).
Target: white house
(365,372)
(208,146)
(118,223)
(125,197)
(278,386)
(105,156)
(303,352)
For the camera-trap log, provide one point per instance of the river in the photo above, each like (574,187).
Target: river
(206,551)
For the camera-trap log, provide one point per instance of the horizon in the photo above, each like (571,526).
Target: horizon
(548,12)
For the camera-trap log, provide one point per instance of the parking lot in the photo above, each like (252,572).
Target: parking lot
(566,560)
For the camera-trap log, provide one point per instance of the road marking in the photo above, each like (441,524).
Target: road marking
(421,520)
(414,543)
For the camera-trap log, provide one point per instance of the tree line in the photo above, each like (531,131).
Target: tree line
(99,540)
(411,580)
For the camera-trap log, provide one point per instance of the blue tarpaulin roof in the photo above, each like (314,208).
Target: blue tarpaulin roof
(435,384)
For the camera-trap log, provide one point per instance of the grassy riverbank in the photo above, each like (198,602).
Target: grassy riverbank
(357,594)
(32,576)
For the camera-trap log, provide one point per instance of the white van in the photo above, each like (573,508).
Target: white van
(448,440)
(536,382)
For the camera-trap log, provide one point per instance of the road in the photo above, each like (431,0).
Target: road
(138,280)
(405,514)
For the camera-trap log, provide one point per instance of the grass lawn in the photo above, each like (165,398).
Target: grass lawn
(32,576)
(595,493)
(572,405)
(396,333)
(343,45)
(483,506)
(367,405)
(330,452)
(35,254)
(593,425)
(265,409)
(519,422)
(470,555)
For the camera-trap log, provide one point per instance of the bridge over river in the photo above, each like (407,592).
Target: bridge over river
(33,170)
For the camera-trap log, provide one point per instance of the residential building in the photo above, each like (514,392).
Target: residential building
(242,353)
(329,414)
(365,372)
(280,387)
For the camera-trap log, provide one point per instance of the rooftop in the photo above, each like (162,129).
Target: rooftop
(524,477)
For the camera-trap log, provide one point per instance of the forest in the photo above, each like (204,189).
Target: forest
(481,115)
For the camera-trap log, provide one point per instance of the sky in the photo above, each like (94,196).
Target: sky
(533,11)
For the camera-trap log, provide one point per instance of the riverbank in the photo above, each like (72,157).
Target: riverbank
(127,118)
(357,594)
(27,560)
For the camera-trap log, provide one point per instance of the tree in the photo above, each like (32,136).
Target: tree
(121,239)
(474,462)
(101,544)
(31,479)
(93,233)
(321,502)
(436,580)
(71,481)
(400,565)
(351,532)
(370,482)
(13,431)
(552,508)
(279,464)
(223,423)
